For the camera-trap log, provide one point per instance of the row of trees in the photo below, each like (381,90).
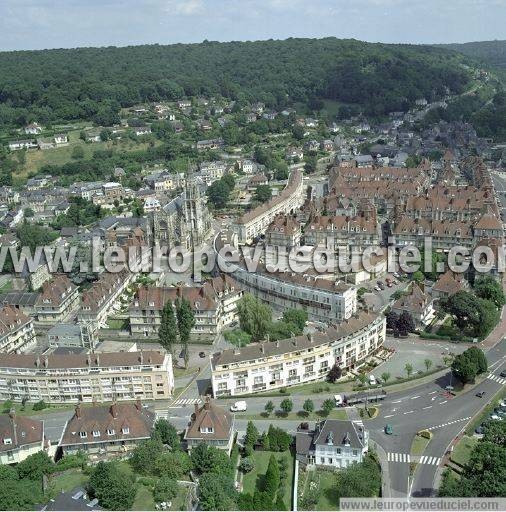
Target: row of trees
(178,325)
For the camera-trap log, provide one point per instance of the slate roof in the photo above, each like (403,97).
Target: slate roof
(21,430)
(209,415)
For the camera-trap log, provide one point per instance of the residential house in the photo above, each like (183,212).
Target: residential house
(332,444)
(107,431)
(417,303)
(20,437)
(284,231)
(33,129)
(448,284)
(212,425)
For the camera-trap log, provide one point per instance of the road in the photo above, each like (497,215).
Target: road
(499,180)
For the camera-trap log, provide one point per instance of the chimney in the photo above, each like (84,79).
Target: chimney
(310,337)
(37,362)
(114,409)
(138,405)
(207,404)
(141,357)
(97,360)
(46,362)
(12,413)
(78,410)
(196,408)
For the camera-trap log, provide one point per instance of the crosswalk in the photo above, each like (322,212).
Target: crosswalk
(427,459)
(496,378)
(185,401)
(434,427)
(398,457)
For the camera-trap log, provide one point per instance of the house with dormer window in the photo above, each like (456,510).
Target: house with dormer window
(106,432)
(212,425)
(332,443)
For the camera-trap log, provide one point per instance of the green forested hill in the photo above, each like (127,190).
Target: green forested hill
(93,83)
(491,52)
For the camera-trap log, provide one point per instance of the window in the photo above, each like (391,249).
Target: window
(83,435)
(330,460)
(206,430)
(7,440)
(355,453)
(322,460)
(110,431)
(96,433)
(125,430)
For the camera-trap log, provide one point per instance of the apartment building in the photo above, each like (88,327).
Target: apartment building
(255,222)
(332,232)
(57,300)
(98,301)
(214,305)
(284,231)
(69,378)
(16,330)
(212,171)
(264,366)
(20,437)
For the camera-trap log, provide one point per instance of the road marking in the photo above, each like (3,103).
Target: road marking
(413,397)
(496,378)
(443,402)
(398,457)
(389,416)
(427,459)
(397,402)
(433,398)
(184,401)
(448,423)
(409,412)
(432,392)
(428,407)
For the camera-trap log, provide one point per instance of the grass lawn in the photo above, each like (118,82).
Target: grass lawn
(6,287)
(462,450)
(183,372)
(252,479)
(69,480)
(328,496)
(27,410)
(117,323)
(335,414)
(143,499)
(418,445)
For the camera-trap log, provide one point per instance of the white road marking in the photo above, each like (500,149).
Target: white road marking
(409,412)
(389,416)
(428,407)
(443,402)
(433,398)
(448,423)
(432,392)
(398,457)
(397,402)
(413,397)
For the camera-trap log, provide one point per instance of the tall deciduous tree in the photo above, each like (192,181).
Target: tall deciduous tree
(167,332)
(185,323)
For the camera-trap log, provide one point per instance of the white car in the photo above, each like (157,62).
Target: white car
(239,406)
(372,380)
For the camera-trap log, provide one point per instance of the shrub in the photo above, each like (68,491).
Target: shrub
(39,406)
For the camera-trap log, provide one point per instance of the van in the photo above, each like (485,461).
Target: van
(239,406)
(339,400)
(372,380)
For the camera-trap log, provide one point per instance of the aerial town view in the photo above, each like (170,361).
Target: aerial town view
(252,255)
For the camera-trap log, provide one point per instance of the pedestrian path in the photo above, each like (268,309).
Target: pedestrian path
(448,423)
(496,378)
(398,457)
(185,401)
(427,459)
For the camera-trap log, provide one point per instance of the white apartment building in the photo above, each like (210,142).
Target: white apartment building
(57,300)
(271,365)
(69,378)
(16,331)
(256,221)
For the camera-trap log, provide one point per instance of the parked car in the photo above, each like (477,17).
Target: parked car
(495,417)
(239,406)
(202,354)
(479,430)
(372,380)
(377,288)
(481,394)
(503,373)
(388,429)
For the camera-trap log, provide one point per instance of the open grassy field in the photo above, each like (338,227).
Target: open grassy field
(61,155)
(68,480)
(254,478)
